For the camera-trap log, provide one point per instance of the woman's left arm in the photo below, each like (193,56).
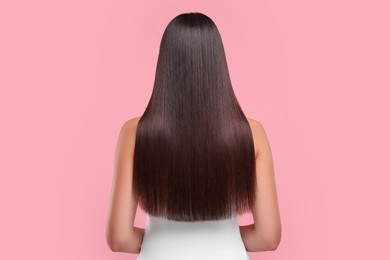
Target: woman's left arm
(121,235)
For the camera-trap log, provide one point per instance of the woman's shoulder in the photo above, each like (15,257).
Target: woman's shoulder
(258,133)
(132,122)
(254,123)
(129,128)
(257,128)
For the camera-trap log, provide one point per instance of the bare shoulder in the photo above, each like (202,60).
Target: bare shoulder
(130,125)
(128,131)
(260,138)
(257,127)
(132,122)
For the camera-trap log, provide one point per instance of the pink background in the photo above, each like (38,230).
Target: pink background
(315,73)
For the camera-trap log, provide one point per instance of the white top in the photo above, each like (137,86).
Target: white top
(166,239)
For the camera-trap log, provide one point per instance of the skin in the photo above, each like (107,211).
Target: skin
(266,231)
(121,234)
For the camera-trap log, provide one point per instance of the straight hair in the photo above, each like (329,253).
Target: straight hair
(194,157)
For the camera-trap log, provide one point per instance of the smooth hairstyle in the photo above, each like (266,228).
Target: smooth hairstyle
(194,155)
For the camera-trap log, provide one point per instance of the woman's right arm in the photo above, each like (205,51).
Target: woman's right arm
(266,231)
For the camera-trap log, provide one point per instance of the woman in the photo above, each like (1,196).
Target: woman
(193,161)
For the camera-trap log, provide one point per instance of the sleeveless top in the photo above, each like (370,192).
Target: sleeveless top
(166,239)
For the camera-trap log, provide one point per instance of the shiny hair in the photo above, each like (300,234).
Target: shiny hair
(194,155)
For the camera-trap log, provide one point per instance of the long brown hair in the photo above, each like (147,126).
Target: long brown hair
(194,155)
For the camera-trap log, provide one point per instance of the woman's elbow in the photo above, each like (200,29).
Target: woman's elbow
(275,241)
(114,245)
(274,245)
(113,242)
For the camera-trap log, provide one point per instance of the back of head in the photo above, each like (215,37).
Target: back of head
(194,155)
